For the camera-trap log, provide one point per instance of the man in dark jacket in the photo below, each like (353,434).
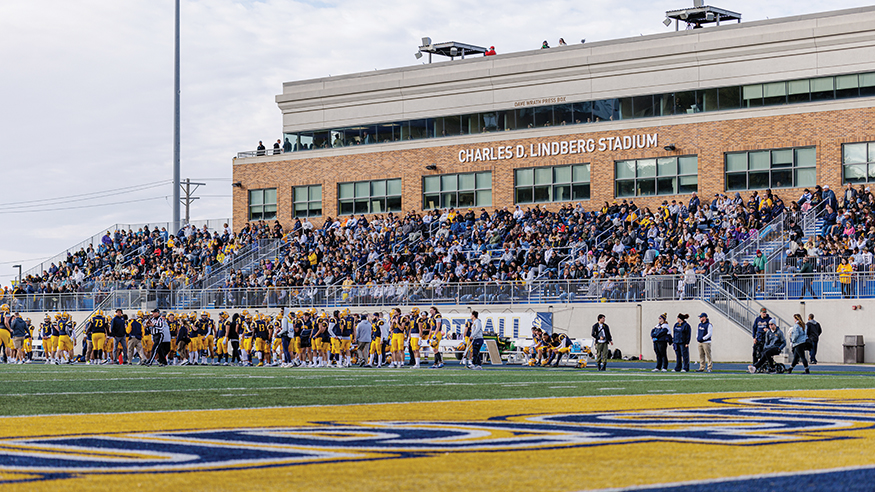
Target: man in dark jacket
(774,344)
(18,327)
(760,326)
(813,330)
(118,331)
(601,334)
(681,335)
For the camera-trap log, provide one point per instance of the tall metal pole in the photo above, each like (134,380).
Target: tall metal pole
(176,181)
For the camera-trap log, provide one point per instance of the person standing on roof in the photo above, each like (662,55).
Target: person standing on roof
(490,51)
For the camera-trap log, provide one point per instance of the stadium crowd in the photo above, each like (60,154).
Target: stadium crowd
(847,232)
(397,257)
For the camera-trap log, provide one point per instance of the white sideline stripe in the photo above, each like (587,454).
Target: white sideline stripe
(339,386)
(296,407)
(732,479)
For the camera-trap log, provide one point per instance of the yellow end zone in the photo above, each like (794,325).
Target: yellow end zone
(553,444)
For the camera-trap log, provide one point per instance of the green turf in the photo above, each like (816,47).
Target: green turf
(38,389)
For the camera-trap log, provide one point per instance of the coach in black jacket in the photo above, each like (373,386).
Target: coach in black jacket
(601,335)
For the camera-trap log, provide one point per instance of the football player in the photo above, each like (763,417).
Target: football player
(304,340)
(375,353)
(5,331)
(221,348)
(435,334)
(399,324)
(173,324)
(415,330)
(45,333)
(135,333)
(99,325)
(261,339)
(64,345)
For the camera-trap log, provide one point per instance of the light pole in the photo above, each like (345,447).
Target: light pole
(19,272)
(176,180)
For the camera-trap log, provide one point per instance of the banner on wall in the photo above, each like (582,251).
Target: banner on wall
(511,325)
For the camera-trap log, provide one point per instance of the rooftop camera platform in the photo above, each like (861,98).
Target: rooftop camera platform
(451,49)
(699,15)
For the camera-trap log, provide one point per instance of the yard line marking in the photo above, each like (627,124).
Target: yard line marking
(611,389)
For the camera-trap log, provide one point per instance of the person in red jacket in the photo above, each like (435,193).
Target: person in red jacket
(490,51)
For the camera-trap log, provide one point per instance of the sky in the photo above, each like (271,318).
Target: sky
(86,91)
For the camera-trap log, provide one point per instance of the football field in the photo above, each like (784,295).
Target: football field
(503,428)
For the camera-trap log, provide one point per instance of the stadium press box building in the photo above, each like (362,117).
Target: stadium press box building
(782,104)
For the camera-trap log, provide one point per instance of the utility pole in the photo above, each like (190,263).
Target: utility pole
(176,183)
(187,201)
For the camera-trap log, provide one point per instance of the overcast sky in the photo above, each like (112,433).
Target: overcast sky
(86,93)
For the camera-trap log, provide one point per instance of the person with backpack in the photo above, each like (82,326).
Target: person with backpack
(661,338)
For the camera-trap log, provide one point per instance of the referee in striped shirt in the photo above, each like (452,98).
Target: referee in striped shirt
(160,338)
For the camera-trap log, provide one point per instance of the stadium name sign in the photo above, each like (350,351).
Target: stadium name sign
(563,147)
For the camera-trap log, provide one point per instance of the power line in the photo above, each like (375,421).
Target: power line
(81,206)
(115,191)
(24,261)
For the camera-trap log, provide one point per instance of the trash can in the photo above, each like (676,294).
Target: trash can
(853,349)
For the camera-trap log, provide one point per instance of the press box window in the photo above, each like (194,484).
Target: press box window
(551,184)
(457,190)
(858,162)
(779,168)
(369,197)
(307,201)
(660,176)
(262,204)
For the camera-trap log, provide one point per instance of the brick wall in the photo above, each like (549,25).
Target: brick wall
(826,130)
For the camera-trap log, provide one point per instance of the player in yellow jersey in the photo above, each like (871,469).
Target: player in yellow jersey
(304,336)
(27,345)
(99,325)
(415,329)
(246,340)
(134,330)
(399,324)
(45,333)
(260,339)
(222,339)
(5,332)
(466,346)
(375,352)
(147,337)
(278,347)
(321,341)
(347,333)
(64,346)
(435,334)
(208,330)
